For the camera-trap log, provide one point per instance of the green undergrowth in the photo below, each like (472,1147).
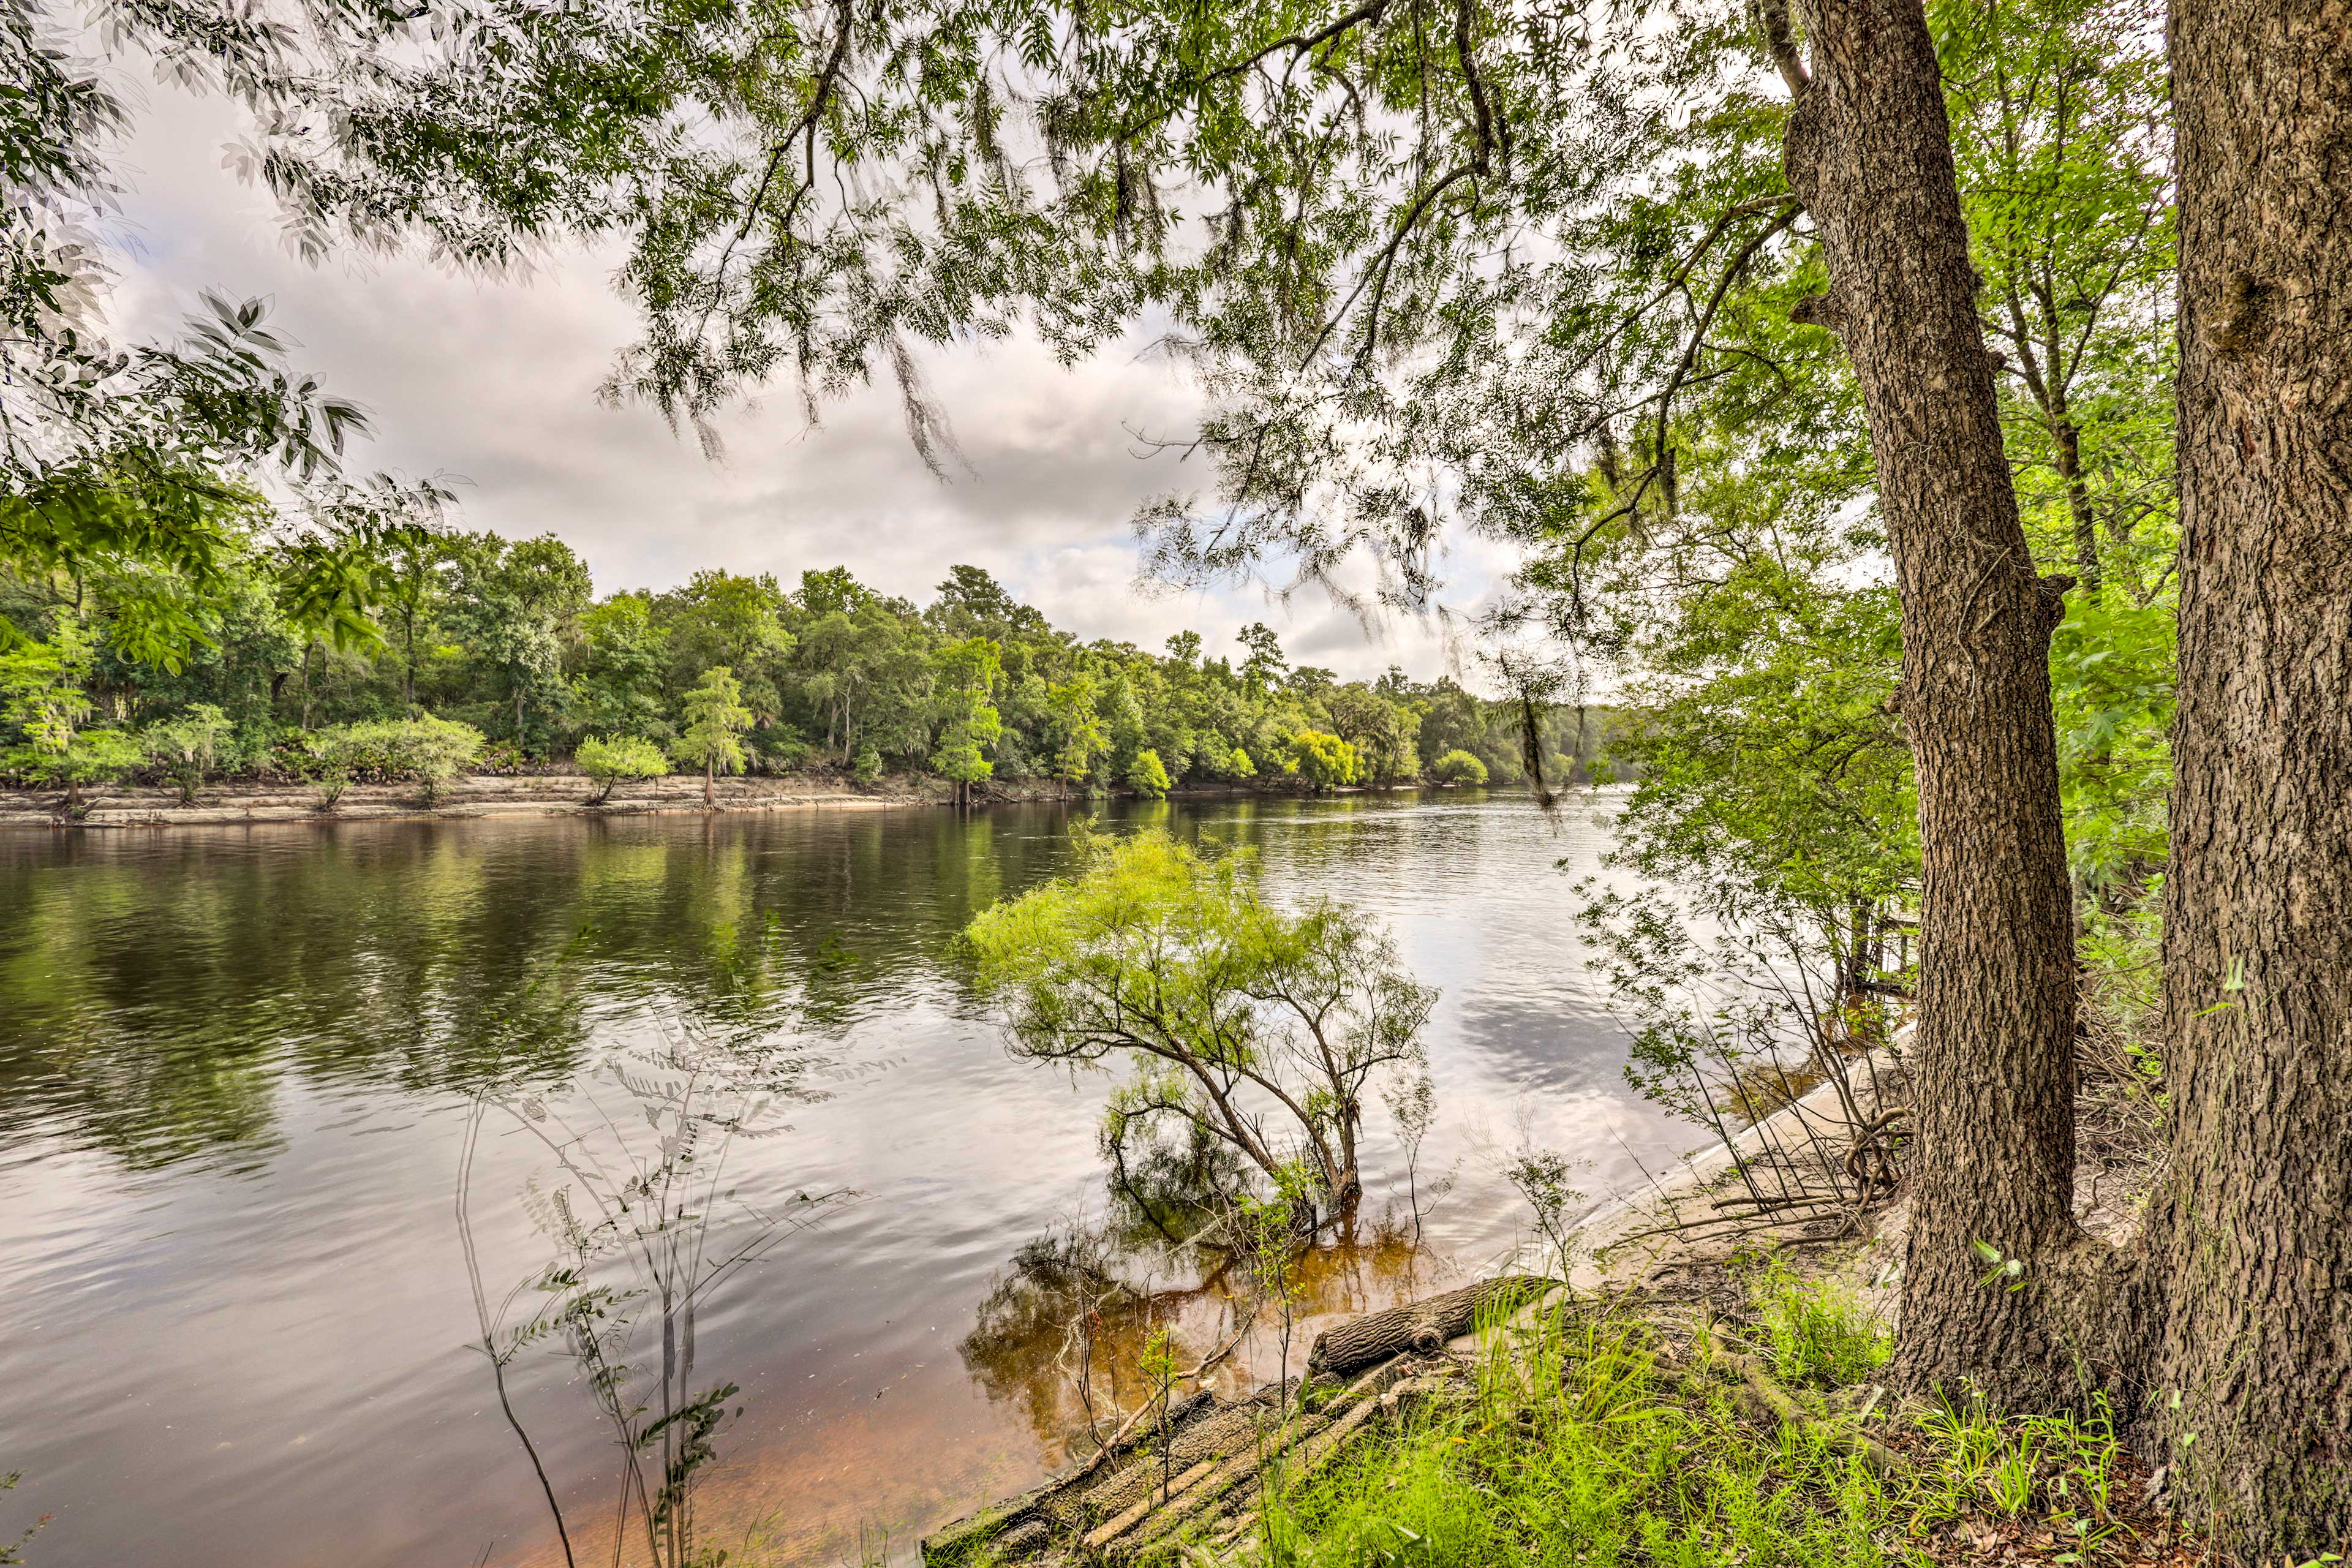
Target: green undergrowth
(1600,1436)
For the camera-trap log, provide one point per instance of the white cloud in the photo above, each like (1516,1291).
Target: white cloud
(492,384)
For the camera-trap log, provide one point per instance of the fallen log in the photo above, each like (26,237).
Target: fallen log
(1421,1329)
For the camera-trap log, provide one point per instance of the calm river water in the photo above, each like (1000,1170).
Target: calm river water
(240,1070)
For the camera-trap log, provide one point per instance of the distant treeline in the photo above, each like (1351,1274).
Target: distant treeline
(508,639)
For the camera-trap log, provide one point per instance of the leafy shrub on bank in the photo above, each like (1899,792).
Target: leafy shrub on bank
(1323,761)
(189,747)
(1147,775)
(503,758)
(428,749)
(1458,767)
(611,760)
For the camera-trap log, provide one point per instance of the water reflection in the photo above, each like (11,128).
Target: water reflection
(159,986)
(238,1073)
(1063,1333)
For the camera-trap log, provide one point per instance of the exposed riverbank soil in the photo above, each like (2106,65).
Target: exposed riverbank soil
(474,795)
(484,795)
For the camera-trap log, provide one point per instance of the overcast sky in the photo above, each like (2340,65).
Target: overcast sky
(491,387)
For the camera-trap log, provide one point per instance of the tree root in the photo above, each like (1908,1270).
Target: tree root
(1766,1400)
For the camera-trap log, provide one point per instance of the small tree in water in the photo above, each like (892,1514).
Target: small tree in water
(715,721)
(1234,1013)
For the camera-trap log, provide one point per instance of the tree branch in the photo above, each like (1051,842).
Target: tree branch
(1780,38)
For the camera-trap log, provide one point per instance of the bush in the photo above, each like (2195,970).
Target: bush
(188,747)
(868,767)
(1011,762)
(782,752)
(42,697)
(432,751)
(1323,761)
(85,757)
(1457,767)
(429,750)
(610,760)
(1146,776)
(503,758)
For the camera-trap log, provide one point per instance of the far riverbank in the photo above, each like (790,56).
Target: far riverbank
(233,801)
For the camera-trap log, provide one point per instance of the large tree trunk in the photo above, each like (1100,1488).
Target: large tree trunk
(2251,1237)
(1869,154)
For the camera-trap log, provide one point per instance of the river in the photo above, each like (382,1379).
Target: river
(241,1069)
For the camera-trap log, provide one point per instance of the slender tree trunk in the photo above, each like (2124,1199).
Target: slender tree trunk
(1869,155)
(2251,1236)
(1351,1185)
(2042,369)
(408,660)
(709,784)
(2067,439)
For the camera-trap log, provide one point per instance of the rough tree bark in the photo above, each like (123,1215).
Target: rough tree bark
(2250,1252)
(1869,155)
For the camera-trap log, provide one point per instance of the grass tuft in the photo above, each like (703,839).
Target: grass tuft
(1815,1332)
(1595,1438)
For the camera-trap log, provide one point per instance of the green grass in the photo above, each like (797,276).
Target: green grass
(1616,1462)
(1580,1447)
(1814,1332)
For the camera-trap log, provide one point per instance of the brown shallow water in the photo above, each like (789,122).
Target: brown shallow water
(237,1072)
